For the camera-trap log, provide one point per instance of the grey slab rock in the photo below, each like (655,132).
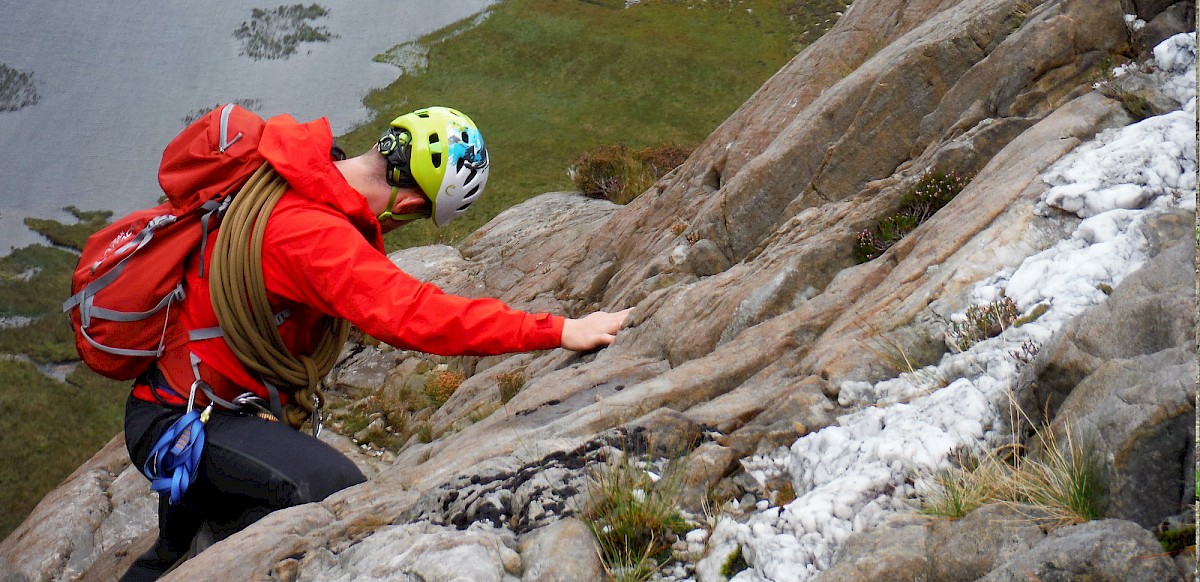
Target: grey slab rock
(418,552)
(887,553)
(104,508)
(1102,551)
(969,548)
(564,551)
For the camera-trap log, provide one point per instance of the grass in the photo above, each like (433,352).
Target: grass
(1059,481)
(49,428)
(71,236)
(35,280)
(634,518)
(509,384)
(549,80)
(1019,15)
(278,32)
(17,89)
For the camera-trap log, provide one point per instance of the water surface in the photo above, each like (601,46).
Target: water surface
(116,78)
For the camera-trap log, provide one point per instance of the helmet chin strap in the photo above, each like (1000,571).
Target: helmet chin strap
(387,214)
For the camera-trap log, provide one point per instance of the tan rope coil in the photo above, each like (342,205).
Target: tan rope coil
(239,297)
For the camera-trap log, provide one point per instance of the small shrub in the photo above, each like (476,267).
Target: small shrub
(440,385)
(509,383)
(1175,541)
(1108,84)
(634,519)
(982,322)
(1027,352)
(920,202)
(619,174)
(1019,15)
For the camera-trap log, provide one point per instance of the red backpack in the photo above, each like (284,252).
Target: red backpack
(126,289)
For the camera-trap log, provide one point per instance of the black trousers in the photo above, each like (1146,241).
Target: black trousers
(249,468)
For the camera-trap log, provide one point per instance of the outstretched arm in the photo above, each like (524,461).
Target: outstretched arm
(593,331)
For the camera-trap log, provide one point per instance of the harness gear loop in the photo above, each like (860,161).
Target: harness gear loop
(239,296)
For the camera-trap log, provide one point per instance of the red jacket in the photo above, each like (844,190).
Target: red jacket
(323,255)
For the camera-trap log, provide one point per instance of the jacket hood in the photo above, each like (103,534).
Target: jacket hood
(301,153)
(215,155)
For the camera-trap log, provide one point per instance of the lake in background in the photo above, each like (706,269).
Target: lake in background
(117,78)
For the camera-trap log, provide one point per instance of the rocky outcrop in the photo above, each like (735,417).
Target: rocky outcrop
(1124,375)
(751,317)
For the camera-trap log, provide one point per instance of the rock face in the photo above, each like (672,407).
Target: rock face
(1125,374)
(750,317)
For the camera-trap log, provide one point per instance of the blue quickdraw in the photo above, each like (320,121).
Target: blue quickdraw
(173,461)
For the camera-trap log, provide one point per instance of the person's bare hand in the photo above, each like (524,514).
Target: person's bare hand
(592,331)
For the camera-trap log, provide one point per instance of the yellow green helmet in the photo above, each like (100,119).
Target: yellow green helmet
(440,151)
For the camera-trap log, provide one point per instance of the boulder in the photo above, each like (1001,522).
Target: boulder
(969,548)
(1106,550)
(887,553)
(564,551)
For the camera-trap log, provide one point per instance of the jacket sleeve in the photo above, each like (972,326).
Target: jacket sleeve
(319,259)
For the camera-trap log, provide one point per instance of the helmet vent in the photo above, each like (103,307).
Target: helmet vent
(471,195)
(464,207)
(470,176)
(435,153)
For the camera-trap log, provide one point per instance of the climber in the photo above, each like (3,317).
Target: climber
(322,259)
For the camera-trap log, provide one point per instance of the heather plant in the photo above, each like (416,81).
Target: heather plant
(920,202)
(440,384)
(618,173)
(982,322)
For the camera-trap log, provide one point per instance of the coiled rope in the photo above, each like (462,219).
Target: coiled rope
(239,297)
